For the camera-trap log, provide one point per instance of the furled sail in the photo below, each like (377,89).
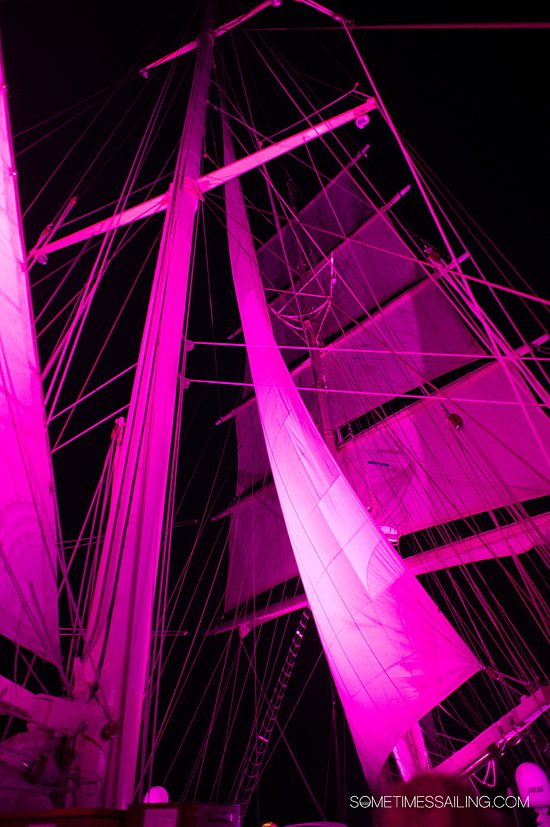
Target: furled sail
(392,654)
(28,527)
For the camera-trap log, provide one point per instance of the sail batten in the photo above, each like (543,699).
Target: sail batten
(28,507)
(392,654)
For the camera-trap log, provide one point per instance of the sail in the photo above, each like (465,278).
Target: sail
(493,460)
(505,541)
(392,654)
(28,528)
(389,329)
(409,336)
(396,469)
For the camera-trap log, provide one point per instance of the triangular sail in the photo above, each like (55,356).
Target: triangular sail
(392,654)
(403,342)
(28,531)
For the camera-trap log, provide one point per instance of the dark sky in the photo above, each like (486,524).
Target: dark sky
(473,104)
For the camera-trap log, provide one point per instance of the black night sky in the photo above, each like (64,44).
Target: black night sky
(473,104)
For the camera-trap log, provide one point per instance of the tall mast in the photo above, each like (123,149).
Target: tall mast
(119,628)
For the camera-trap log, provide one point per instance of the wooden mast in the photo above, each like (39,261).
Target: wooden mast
(120,623)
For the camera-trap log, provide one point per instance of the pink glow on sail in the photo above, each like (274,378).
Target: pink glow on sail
(505,541)
(492,461)
(396,468)
(28,536)
(393,656)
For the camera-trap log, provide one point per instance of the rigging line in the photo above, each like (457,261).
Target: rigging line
(73,147)
(231,721)
(443,354)
(500,345)
(285,70)
(188,664)
(312,104)
(177,589)
(408,158)
(518,293)
(402,27)
(270,190)
(283,737)
(105,248)
(127,239)
(498,342)
(452,201)
(256,754)
(189,725)
(83,250)
(406,155)
(85,100)
(347,391)
(168,156)
(49,274)
(225,749)
(67,544)
(424,191)
(129,236)
(91,428)
(102,260)
(453,273)
(92,392)
(30,672)
(260,136)
(512,290)
(488,328)
(160,611)
(77,296)
(148,188)
(272,657)
(54,130)
(221,691)
(99,506)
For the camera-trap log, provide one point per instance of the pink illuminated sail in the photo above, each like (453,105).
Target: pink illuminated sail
(28,533)
(392,654)
(506,541)
(412,470)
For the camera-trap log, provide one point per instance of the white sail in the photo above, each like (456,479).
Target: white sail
(508,540)
(28,527)
(412,470)
(392,654)
(493,460)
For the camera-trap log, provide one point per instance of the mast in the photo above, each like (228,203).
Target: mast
(119,629)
